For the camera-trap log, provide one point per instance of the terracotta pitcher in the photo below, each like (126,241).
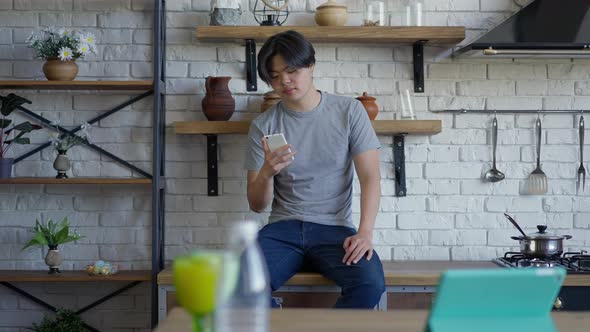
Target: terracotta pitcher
(218,104)
(370,105)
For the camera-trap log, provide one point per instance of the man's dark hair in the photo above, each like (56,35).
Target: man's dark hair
(292,46)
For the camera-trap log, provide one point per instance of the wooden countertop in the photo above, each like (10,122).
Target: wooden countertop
(71,276)
(330,320)
(401,273)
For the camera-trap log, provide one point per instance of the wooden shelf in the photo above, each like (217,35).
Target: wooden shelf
(211,127)
(397,128)
(417,36)
(347,34)
(76,85)
(398,273)
(241,127)
(70,276)
(76,181)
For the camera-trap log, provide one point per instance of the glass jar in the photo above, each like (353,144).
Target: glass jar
(407,13)
(374,13)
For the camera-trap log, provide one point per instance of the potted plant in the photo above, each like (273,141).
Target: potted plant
(65,321)
(61,48)
(62,143)
(11,134)
(52,234)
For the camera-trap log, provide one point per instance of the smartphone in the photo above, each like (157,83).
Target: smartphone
(275,141)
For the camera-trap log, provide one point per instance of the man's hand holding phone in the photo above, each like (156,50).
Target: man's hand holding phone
(277,154)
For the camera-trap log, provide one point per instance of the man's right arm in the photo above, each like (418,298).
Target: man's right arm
(259,191)
(260,184)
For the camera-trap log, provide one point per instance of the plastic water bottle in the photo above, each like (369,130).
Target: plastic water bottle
(243,296)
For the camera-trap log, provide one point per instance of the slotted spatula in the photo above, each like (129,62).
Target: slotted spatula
(537,181)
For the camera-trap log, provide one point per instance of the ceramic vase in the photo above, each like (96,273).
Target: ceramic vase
(370,105)
(61,164)
(331,13)
(6,167)
(57,70)
(53,259)
(218,104)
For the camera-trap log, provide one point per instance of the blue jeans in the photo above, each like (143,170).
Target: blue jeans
(290,246)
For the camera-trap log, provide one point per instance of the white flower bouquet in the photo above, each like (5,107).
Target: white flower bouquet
(63,142)
(52,43)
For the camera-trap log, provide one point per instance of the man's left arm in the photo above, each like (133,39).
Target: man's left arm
(366,165)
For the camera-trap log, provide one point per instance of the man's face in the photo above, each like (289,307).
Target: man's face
(292,84)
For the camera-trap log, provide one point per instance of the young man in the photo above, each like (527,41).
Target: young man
(310,224)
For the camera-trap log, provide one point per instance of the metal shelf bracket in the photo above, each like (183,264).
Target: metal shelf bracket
(418,57)
(212,178)
(399,164)
(251,83)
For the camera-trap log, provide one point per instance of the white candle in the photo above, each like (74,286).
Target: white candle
(381,14)
(419,13)
(408,16)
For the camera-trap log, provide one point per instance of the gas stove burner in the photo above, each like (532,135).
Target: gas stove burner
(537,263)
(573,262)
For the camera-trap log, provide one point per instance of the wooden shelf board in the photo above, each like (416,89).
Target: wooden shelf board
(346,34)
(76,85)
(398,273)
(70,276)
(211,127)
(241,127)
(76,181)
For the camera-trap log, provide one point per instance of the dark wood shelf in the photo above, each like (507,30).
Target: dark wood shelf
(76,181)
(76,85)
(346,34)
(241,127)
(70,276)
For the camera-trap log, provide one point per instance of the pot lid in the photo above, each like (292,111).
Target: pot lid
(543,235)
(331,4)
(366,97)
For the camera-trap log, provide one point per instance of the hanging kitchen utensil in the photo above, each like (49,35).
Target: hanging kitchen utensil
(581,169)
(494,175)
(537,181)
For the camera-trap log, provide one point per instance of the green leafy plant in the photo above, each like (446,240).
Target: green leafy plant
(65,321)
(52,234)
(9,104)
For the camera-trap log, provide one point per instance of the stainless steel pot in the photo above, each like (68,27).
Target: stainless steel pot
(540,244)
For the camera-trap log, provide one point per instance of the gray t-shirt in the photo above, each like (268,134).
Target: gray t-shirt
(317,186)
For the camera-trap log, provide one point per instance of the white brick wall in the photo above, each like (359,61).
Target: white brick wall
(449,213)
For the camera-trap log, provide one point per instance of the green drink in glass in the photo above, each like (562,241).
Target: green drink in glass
(195,279)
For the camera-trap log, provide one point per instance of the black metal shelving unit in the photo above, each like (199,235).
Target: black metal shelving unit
(157,88)
(159,153)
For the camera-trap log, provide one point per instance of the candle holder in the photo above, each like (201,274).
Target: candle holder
(271,12)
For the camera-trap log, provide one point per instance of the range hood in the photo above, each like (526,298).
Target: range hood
(554,28)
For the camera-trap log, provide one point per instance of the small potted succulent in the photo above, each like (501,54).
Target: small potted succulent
(61,48)
(10,133)
(52,234)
